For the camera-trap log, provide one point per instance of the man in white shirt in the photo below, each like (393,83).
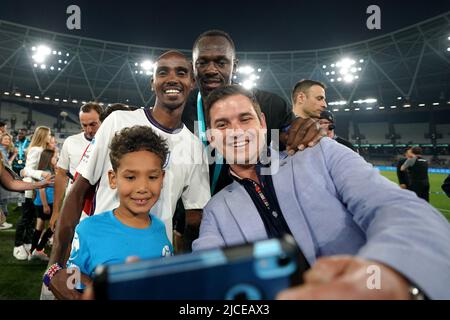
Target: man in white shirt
(71,153)
(186,174)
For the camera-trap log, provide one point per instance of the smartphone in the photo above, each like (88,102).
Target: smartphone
(256,271)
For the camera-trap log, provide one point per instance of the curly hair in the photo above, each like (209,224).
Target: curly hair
(136,138)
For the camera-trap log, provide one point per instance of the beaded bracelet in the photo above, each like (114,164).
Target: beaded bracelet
(51,271)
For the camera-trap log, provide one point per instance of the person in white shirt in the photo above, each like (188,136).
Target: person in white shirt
(71,153)
(186,170)
(25,227)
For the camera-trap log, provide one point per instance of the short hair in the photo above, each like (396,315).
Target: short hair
(416,150)
(226,91)
(111,108)
(303,86)
(2,123)
(136,138)
(89,106)
(215,33)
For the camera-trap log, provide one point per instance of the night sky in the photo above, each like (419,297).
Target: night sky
(254,25)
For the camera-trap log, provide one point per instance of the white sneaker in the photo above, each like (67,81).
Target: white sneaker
(39,255)
(5,225)
(20,253)
(27,247)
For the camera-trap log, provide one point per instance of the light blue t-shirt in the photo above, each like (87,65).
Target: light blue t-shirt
(103,239)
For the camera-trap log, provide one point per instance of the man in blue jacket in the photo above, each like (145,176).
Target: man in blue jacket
(346,218)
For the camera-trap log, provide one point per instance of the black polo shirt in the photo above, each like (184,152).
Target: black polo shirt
(265,199)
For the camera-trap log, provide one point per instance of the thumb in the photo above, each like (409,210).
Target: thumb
(327,269)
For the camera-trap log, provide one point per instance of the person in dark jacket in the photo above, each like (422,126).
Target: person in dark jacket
(417,168)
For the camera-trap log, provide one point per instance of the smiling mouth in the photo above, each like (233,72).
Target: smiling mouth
(140,201)
(239,144)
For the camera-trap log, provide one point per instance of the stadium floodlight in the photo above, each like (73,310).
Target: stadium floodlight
(27,96)
(368,101)
(357,109)
(399,98)
(64,100)
(407,106)
(335,110)
(6,93)
(42,52)
(337,103)
(145,67)
(47,98)
(36,97)
(421,104)
(247,77)
(57,99)
(435,103)
(74,101)
(346,69)
(369,108)
(381,108)
(393,107)
(17,94)
(346,110)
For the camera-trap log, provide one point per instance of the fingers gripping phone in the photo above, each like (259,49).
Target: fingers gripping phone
(247,272)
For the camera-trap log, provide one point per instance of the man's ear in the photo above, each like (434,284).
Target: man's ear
(263,121)
(235,66)
(112,179)
(210,136)
(151,83)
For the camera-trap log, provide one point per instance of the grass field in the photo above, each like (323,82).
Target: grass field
(22,279)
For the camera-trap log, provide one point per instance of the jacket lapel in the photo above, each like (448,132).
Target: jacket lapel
(283,182)
(245,213)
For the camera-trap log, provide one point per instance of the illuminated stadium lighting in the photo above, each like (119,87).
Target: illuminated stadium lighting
(399,98)
(59,69)
(42,52)
(346,110)
(52,68)
(369,108)
(346,69)
(83,102)
(47,98)
(35,65)
(17,94)
(64,100)
(337,103)
(246,76)
(56,99)
(6,93)
(27,96)
(36,97)
(436,104)
(381,108)
(145,67)
(43,66)
(357,109)
(407,106)
(335,110)
(74,101)
(393,107)
(368,100)
(422,105)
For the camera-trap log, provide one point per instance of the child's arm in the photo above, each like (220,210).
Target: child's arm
(44,200)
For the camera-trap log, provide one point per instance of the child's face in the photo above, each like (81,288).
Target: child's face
(138,181)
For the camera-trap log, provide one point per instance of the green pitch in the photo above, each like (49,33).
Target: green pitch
(437,197)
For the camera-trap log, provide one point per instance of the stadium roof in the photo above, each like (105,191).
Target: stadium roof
(408,66)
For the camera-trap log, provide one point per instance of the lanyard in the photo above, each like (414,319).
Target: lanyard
(22,146)
(202,136)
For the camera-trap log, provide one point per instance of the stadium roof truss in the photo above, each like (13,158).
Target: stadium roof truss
(412,64)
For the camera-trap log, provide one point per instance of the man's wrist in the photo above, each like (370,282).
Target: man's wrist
(50,273)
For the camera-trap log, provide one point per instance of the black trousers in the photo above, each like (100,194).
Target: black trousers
(26,224)
(422,190)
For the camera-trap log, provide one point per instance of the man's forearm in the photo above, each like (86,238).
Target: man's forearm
(68,220)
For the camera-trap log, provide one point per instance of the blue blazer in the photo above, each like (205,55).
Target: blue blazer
(336,203)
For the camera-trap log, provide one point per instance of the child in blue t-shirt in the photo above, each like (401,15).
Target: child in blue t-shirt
(43,203)
(137,156)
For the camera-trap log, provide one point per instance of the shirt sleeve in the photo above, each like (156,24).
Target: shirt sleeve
(33,157)
(63,161)
(96,157)
(408,163)
(197,192)
(79,254)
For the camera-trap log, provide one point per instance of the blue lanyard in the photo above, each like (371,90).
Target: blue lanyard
(22,146)
(202,136)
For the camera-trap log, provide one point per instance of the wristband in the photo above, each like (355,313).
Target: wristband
(51,271)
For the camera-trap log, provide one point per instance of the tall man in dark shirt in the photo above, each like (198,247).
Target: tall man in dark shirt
(417,168)
(215,62)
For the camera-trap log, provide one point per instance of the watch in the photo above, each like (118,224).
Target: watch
(415,293)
